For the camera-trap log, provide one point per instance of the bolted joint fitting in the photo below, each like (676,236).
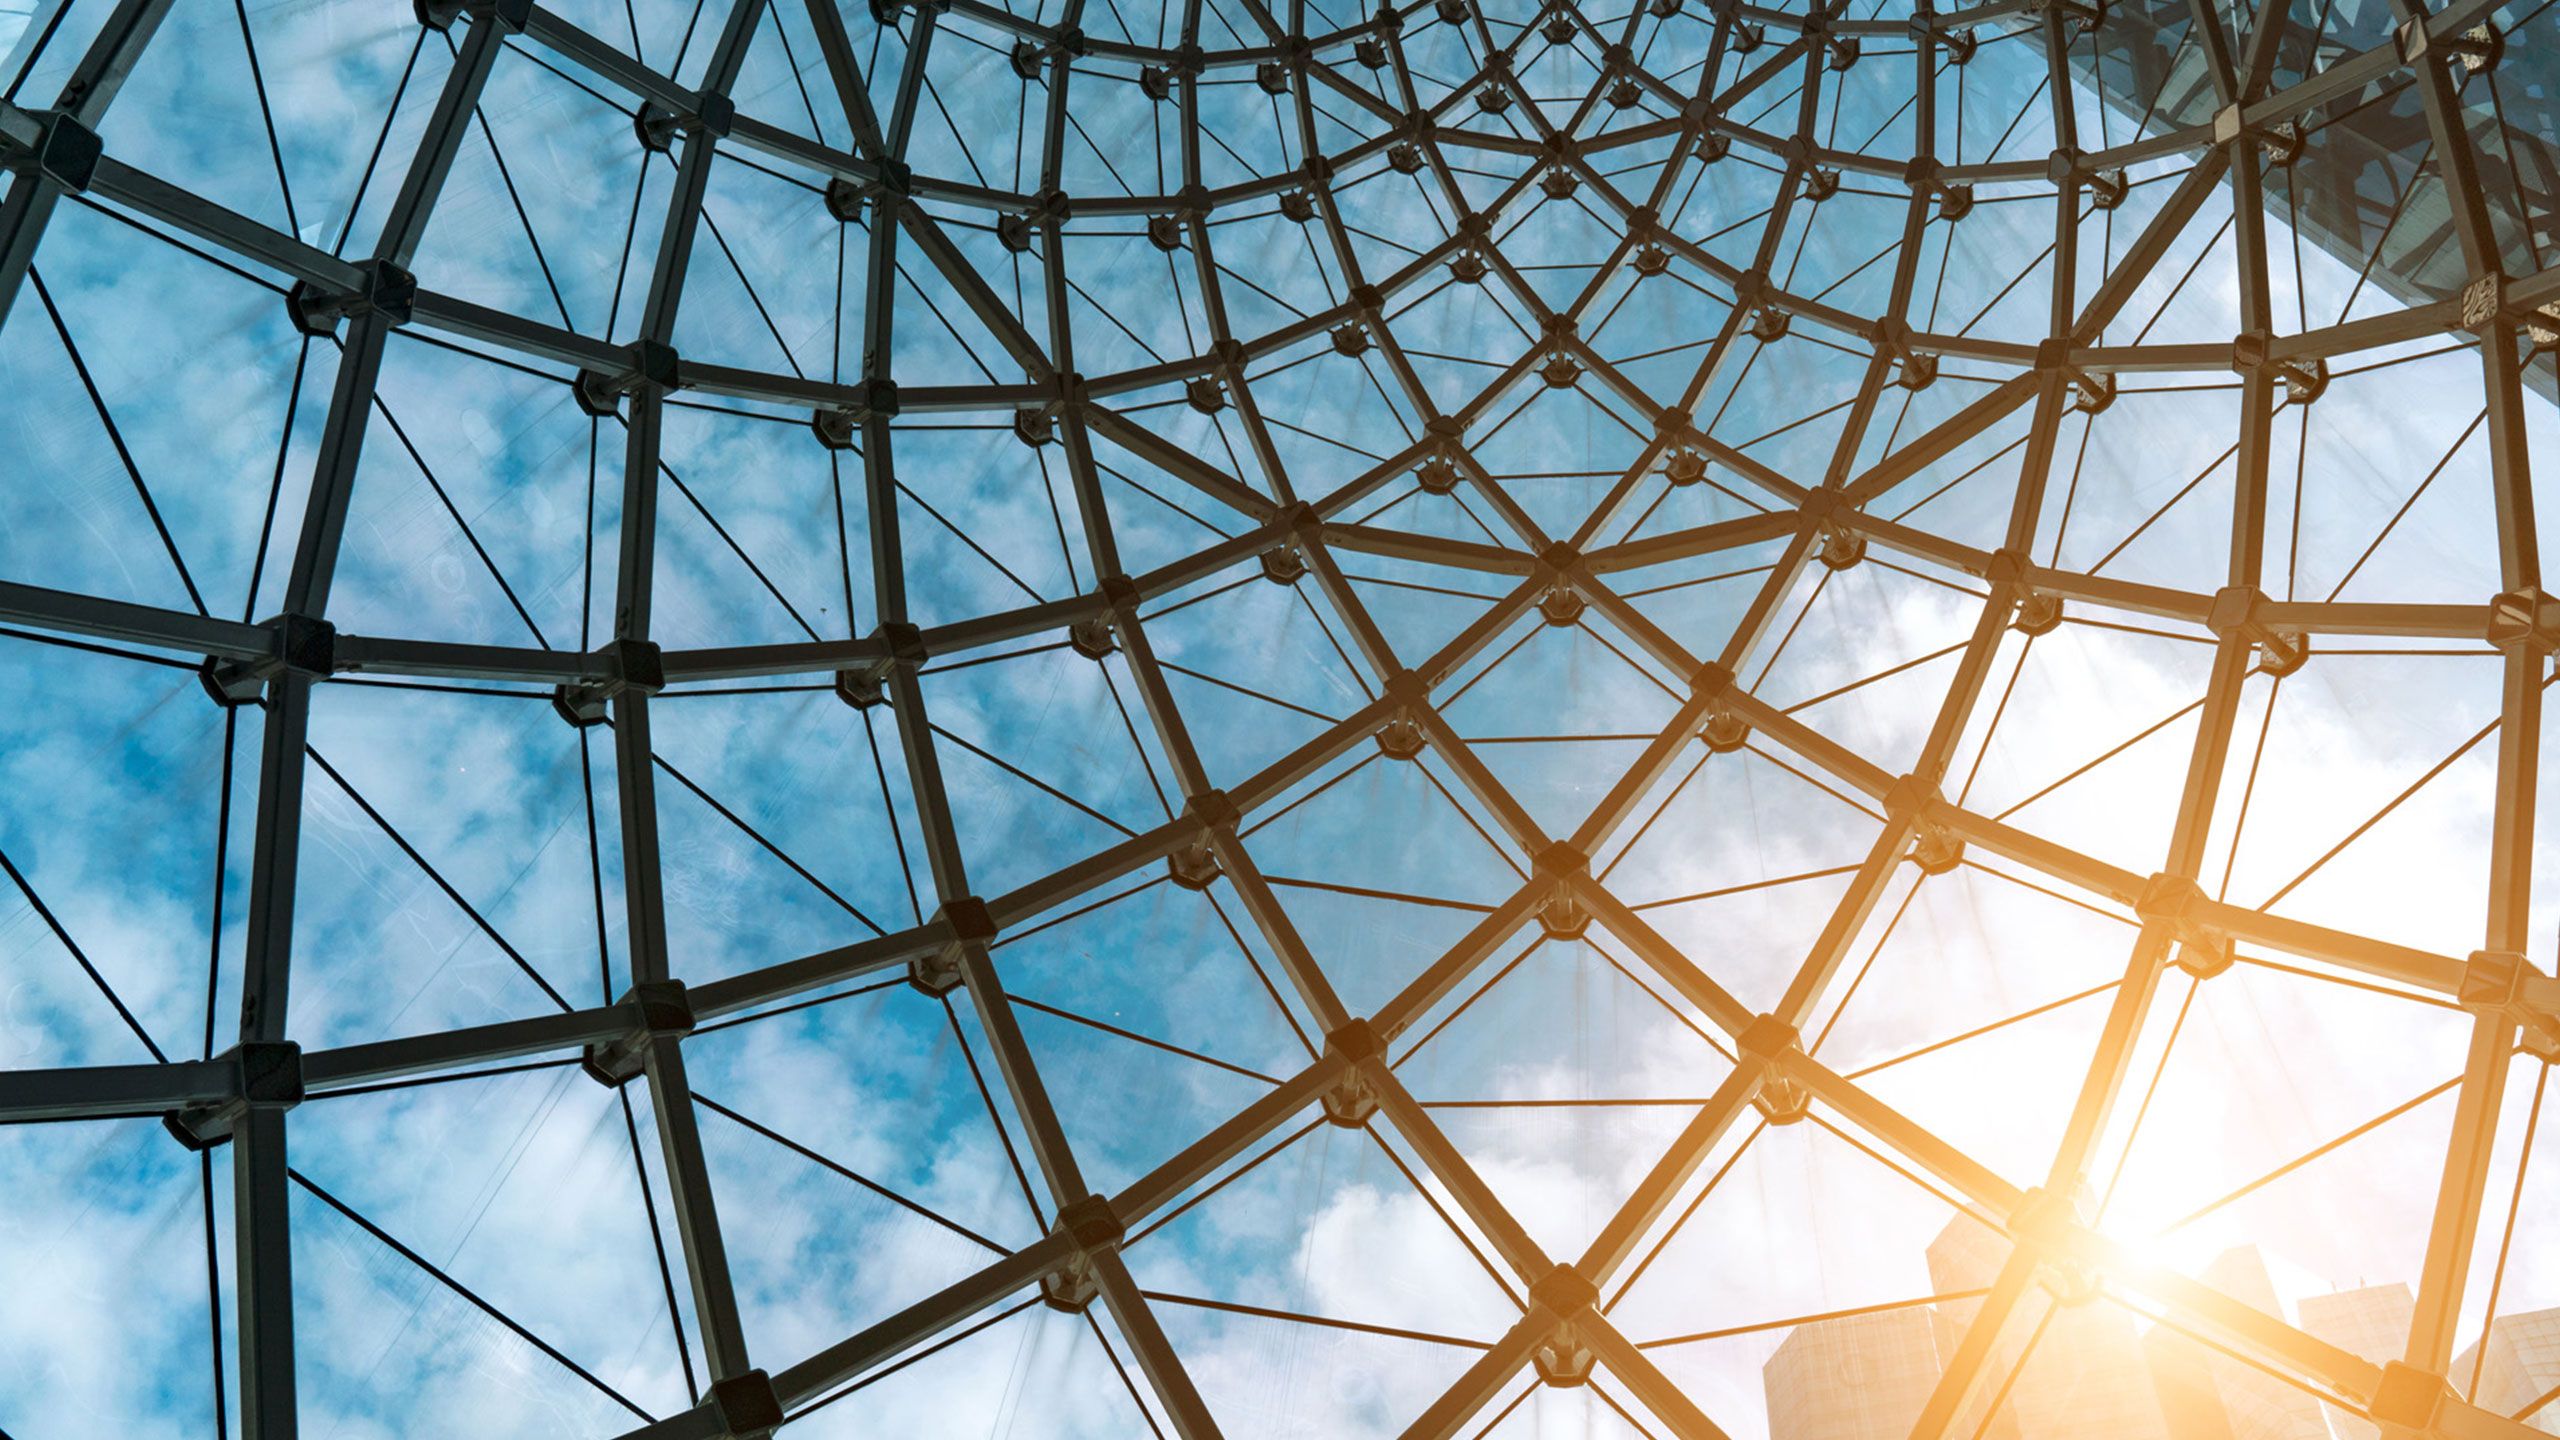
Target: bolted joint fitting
(266,1075)
(1214,809)
(2176,903)
(382,289)
(1093,1226)
(1841,547)
(900,646)
(1725,731)
(1352,1102)
(654,366)
(67,152)
(1091,1223)
(942,972)
(1562,1359)
(2235,612)
(2408,1397)
(510,16)
(2526,617)
(658,1008)
(656,126)
(1564,1293)
(629,666)
(1092,637)
(2305,379)
(302,645)
(1353,1099)
(1782,1100)
(844,197)
(2500,982)
(1936,849)
(1768,1038)
(1402,739)
(745,1406)
(1194,866)
(1564,916)
(1284,565)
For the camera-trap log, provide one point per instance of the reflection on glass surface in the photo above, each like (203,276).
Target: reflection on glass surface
(1486,718)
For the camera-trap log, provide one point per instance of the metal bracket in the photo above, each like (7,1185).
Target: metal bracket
(2170,901)
(1563,1359)
(653,363)
(510,16)
(1194,866)
(2235,610)
(2524,617)
(865,685)
(267,1075)
(657,126)
(1780,1098)
(629,665)
(745,1405)
(939,973)
(2037,612)
(838,427)
(1352,1100)
(304,645)
(2499,982)
(65,152)
(383,288)
(660,1009)
(1094,1226)
(1284,565)
(2408,1397)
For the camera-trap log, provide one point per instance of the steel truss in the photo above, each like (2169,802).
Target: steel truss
(247,1094)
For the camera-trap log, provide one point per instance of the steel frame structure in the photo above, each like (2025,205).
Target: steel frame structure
(1563,1328)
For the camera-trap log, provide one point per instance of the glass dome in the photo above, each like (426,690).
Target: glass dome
(1483,719)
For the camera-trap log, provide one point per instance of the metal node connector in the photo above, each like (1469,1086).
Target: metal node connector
(659,1010)
(630,666)
(1094,1227)
(266,1075)
(1937,850)
(2175,903)
(1353,1100)
(1195,865)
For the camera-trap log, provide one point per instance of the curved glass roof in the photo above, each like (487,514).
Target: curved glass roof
(1482,719)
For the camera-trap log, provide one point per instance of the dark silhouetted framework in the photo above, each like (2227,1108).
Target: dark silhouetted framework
(1356,114)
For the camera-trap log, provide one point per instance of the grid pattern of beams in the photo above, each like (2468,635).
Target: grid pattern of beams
(1715,90)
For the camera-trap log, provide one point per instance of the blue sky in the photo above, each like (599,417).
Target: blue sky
(487,510)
